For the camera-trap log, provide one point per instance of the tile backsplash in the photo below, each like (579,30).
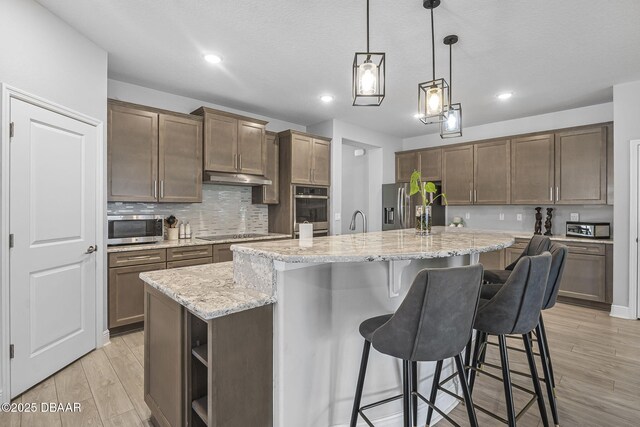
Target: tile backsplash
(488,217)
(225,209)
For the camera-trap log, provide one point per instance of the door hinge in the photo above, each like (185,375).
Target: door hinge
(11,351)
(11,129)
(10,241)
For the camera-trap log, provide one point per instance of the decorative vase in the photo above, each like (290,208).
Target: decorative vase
(423,220)
(172,234)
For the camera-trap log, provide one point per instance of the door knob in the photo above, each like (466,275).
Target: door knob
(91,249)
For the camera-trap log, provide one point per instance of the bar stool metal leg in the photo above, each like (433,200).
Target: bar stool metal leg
(534,377)
(506,379)
(359,387)
(414,391)
(434,390)
(542,336)
(475,359)
(466,393)
(406,393)
(551,394)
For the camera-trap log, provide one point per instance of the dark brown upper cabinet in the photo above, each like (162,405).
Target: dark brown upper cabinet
(457,174)
(306,158)
(153,155)
(232,143)
(532,170)
(406,163)
(430,164)
(270,194)
(581,166)
(492,173)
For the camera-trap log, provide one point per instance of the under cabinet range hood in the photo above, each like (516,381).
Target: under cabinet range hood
(235,179)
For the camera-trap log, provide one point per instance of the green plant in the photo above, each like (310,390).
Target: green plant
(424,188)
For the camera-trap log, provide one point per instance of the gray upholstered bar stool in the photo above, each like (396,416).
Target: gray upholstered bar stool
(433,323)
(515,309)
(536,246)
(559,254)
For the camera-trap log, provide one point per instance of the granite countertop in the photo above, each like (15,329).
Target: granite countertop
(557,237)
(380,246)
(207,291)
(192,242)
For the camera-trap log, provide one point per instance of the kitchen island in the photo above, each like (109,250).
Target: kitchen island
(323,289)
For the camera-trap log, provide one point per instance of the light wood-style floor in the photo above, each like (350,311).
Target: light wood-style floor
(596,360)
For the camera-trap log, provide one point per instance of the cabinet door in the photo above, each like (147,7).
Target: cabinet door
(457,174)
(126,294)
(301,155)
(220,143)
(132,145)
(430,164)
(320,166)
(164,358)
(584,277)
(251,148)
(492,173)
(493,260)
(532,170)
(270,194)
(180,159)
(581,167)
(222,253)
(406,163)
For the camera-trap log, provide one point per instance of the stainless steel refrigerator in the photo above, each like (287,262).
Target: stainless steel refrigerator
(399,209)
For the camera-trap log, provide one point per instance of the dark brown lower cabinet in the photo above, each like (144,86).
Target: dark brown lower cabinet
(207,373)
(492,260)
(222,253)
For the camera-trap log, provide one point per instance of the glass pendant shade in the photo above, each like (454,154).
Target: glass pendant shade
(433,101)
(368,78)
(451,127)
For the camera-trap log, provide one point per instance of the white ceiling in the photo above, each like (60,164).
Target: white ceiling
(280,55)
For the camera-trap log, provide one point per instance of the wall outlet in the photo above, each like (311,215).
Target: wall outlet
(575,216)
(336,217)
(518,217)
(501,216)
(467,215)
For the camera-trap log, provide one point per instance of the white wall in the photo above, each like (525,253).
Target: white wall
(626,112)
(355,186)
(381,166)
(561,119)
(168,101)
(44,56)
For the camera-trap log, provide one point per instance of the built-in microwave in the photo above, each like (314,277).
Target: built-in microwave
(127,229)
(311,204)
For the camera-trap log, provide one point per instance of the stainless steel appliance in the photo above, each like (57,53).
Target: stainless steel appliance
(311,204)
(127,229)
(239,236)
(590,230)
(399,208)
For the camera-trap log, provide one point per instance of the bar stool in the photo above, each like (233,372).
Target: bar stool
(559,254)
(515,309)
(536,246)
(433,323)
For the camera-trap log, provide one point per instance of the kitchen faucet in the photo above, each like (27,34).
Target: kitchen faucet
(352,226)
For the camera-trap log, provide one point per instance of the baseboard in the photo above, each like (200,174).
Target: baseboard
(106,338)
(622,312)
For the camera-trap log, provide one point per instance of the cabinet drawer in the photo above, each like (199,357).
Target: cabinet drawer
(190,252)
(585,248)
(149,256)
(222,253)
(189,262)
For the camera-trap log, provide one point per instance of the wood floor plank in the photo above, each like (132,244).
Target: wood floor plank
(43,392)
(128,419)
(88,417)
(11,419)
(134,339)
(112,400)
(131,376)
(72,384)
(116,347)
(98,370)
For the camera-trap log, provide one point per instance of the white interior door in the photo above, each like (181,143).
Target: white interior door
(52,219)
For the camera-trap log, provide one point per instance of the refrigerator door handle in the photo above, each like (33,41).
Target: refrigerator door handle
(402,207)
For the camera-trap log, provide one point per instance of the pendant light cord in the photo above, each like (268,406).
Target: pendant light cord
(450,74)
(367,26)
(433,46)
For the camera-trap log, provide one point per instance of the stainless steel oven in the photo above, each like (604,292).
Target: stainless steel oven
(126,229)
(311,204)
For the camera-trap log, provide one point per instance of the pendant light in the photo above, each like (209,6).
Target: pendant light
(368,76)
(433,95)
(451,126)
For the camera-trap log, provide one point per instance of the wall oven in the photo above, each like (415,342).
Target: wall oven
(311,204)
(127,229)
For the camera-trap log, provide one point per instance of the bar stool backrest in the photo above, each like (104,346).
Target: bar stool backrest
(536,246)
(516,307)
(559,254)
(435,320)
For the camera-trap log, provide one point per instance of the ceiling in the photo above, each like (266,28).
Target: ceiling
(281,55)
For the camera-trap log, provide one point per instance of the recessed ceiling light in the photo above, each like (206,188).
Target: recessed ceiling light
(504,96)
(326,98)
(213,59)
